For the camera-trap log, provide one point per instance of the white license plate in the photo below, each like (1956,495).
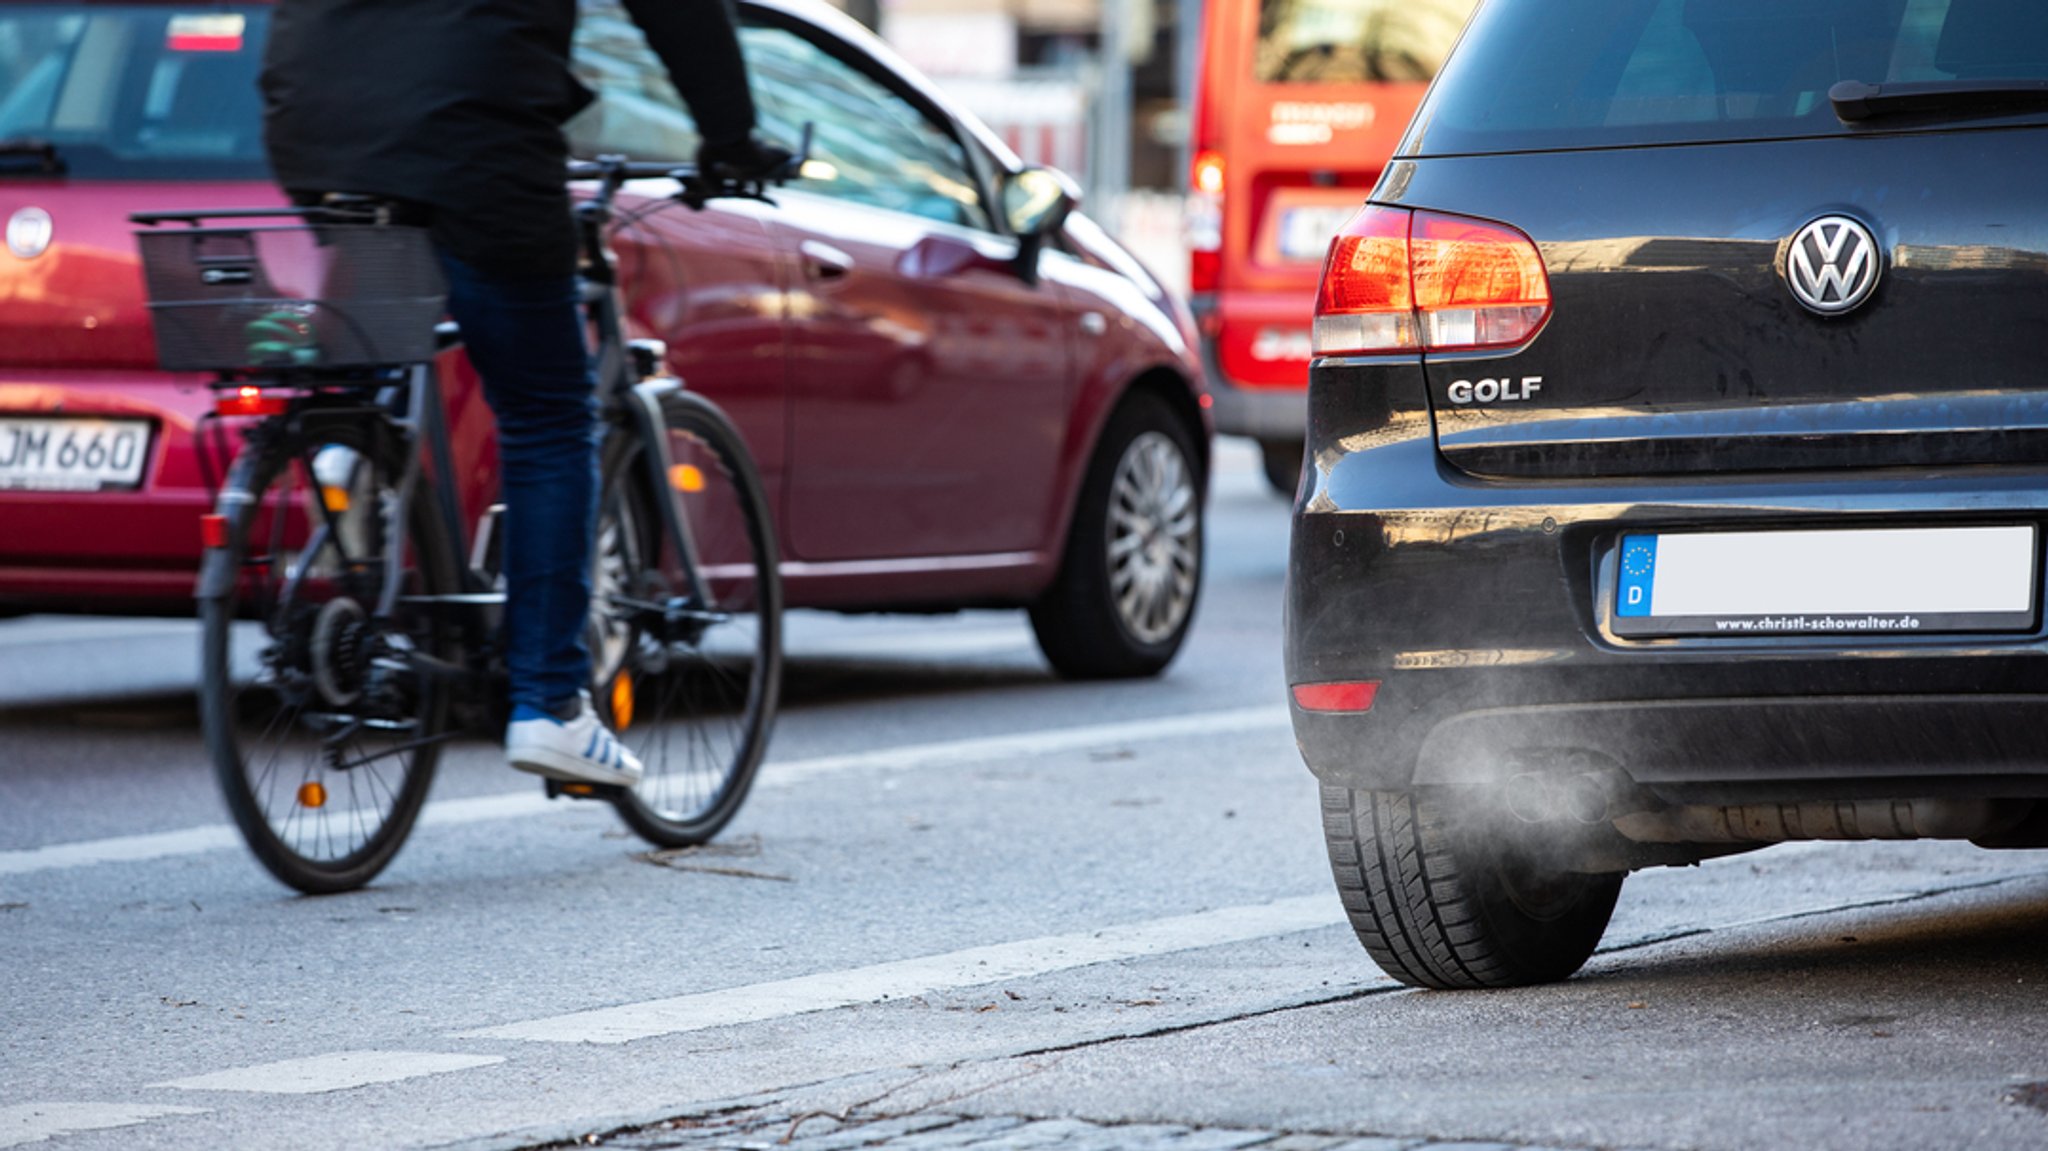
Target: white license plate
(1305,232)
(75,455)
(1878,581)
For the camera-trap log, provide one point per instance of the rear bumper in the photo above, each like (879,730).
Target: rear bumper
(1264,413)
(1266,399)
(1480,608)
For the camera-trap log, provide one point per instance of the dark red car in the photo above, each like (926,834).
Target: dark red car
(946,414)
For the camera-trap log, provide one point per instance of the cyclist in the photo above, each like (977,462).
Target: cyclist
(452,110)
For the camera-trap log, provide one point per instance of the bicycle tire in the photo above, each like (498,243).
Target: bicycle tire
(299,644)
(687,691)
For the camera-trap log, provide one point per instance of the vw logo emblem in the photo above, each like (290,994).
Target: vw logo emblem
(28,233)
(1833,265)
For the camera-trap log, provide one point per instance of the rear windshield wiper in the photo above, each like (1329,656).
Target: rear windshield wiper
(1854,100)
(24,147)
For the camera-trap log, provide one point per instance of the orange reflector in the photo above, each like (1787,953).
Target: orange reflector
(622,701)
(248,400)
(1336,696)
(686,478)
(312,795)
(213,531)
(334,499)
(579,789)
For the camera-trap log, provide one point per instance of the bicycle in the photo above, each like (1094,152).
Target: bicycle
(345,639)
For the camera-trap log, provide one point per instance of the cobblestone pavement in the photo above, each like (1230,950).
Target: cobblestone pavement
(765,1131)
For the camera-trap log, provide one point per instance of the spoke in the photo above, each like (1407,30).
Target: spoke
(1179,504)
(398,749)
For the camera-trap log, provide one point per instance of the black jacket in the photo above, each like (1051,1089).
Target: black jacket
(457,105)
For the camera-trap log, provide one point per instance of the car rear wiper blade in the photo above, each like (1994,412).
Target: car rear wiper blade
(25,146)
(1855,100)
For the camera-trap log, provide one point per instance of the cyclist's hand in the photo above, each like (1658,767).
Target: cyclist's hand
(752,158)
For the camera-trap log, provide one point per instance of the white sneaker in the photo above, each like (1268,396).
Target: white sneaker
(579,750)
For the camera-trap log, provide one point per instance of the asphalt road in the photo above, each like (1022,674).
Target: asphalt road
(967,905)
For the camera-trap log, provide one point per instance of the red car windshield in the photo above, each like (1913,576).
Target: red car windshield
(132,92)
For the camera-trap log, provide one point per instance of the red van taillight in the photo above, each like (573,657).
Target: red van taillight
(1399,280)
(1205,221)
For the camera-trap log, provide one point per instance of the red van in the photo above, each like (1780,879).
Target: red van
(1300,104)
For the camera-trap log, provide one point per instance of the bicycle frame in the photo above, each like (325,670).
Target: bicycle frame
(640,400)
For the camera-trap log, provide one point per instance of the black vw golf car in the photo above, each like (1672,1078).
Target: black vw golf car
(1677,463)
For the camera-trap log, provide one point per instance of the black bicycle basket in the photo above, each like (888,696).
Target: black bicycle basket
(281,297)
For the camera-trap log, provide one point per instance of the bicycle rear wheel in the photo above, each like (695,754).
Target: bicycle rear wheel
(690,684)
(323,732)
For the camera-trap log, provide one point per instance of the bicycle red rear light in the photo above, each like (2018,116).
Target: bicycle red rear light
(248,400)
(213,531)
(1367,302)
(1353,697)
(1398,280)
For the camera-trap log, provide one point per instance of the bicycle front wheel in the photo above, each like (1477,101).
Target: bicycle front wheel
(323,732)
(686,625)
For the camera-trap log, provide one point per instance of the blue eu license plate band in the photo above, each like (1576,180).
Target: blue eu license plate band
(1878,581)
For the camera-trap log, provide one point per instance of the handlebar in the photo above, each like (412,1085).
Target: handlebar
(698,187)
(618,169)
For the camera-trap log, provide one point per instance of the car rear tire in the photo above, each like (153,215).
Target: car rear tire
(1282,460)
(1440,902)
(1126,590)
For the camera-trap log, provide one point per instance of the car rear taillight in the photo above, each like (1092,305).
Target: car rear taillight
(1367,301)
(1205,221)
(1400,280)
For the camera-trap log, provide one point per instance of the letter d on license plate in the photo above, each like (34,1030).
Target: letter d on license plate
(1877,581)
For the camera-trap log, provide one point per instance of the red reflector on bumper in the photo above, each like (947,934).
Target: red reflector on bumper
(213,531)
(1336,696)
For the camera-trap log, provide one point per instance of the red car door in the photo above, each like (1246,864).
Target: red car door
(707,281)
(929,380)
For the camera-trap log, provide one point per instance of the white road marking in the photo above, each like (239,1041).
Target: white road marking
(973,967)
(337,1072)
(35,1122)
(455,812)
(899,645)
(982,749)
(95,630)
(120,849)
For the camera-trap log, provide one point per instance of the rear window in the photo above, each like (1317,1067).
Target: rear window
(1355,41)
(133,92)
(1535,74)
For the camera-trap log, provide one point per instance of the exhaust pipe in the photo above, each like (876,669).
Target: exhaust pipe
(1584,797)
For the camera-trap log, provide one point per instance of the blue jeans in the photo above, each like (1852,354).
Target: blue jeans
(526,339)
